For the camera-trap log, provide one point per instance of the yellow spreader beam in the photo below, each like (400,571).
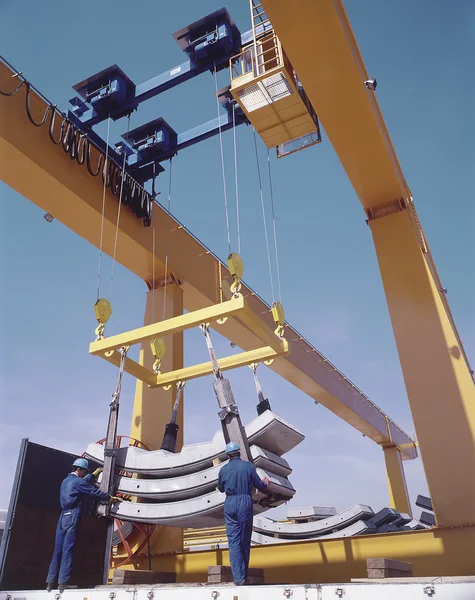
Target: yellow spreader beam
(275,345)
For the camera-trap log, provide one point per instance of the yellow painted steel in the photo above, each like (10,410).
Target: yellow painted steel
(107,348)
(398,494)
(43,173)
(439,386)
(432,552)
(264,84)
(153,407)
(436,372)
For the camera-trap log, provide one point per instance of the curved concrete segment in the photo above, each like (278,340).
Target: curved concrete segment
(357,528)
(316,528)
(187,486)
(203,511)
(266,431)
(310,513)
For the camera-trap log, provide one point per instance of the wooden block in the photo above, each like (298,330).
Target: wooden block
(223,574)
(384,568)
(388,563)
(124,576)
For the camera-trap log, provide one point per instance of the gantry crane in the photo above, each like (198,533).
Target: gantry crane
(349,112)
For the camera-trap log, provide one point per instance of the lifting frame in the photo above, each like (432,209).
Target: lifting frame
(277,345)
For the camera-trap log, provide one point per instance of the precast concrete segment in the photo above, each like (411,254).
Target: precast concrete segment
(157,462)
(183,487)
(268,431)
(385,516)
(310,513)
(358,528)
(317,528)
(413,525)
(202,511)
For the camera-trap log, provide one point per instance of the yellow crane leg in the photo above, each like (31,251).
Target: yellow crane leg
(438,381)
(153,407)
(398,495)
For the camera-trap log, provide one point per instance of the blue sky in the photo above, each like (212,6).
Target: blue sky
(53,392)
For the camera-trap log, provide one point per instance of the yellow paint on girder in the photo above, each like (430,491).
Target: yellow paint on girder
(432,552)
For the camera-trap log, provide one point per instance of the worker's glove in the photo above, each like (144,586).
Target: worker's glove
(97,472)
(113,499)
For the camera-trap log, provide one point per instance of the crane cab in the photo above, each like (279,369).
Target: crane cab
(266,87)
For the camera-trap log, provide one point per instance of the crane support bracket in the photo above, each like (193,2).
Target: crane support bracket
(274,345)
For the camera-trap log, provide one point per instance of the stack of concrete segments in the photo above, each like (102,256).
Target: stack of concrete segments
(180,489)
(306,524)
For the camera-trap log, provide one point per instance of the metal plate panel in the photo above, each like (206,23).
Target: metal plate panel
(28,545)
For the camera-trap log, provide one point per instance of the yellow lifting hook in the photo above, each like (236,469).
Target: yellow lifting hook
(236,269)
(158,347)
(103,312)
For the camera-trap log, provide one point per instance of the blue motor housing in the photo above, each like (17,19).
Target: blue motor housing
(215,44)
(109,92)
(110,96)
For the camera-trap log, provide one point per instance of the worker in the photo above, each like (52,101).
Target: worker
(76,485)
(237,480)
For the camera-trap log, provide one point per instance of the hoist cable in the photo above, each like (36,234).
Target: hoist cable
(122,179)
(212,353)
(222,161)
(236,181)
(167,236)
(176,405)
(260,394)
(104,178)
(274,227)
(153,245)
(264,217)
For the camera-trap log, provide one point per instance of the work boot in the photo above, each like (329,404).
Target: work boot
(243,582)
(49,586)
(65,586)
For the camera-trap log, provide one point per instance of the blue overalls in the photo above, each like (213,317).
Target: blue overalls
(236,480)
(72,490)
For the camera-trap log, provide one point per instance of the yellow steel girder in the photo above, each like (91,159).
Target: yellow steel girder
(43,173)
(237,306)
(442,551)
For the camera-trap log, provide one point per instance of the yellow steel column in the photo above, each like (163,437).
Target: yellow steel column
(438,381)
(153,407)
(398,495)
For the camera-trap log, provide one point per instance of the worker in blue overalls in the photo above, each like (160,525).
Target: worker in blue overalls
(76,485)
(237,480)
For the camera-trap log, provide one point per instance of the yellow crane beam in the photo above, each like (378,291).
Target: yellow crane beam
(43,173)
(320,44)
